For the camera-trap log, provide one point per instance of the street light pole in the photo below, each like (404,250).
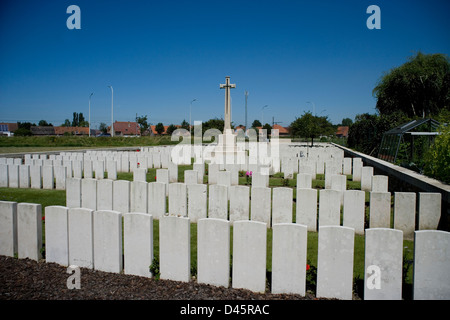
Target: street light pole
(263,114)
(190,110)
(314,107)
(90,114)
(112,111)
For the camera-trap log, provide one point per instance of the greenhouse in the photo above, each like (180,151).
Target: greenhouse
(407,143)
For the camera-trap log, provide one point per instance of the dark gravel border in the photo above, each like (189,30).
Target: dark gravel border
(25,279)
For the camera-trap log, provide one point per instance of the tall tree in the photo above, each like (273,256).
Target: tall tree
(171,129)
(143,123)
(311,127)
(75,120)
(159,128)
(419,87)
(256,123)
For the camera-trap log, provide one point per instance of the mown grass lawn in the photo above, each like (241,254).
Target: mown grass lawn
(58,197)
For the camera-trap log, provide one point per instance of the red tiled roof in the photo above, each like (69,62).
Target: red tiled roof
(153,127)
(342,131)
(281,130)
(126,128)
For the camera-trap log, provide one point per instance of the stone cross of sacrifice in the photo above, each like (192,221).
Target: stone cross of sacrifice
(227,86)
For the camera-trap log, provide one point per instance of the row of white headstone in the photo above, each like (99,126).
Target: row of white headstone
(52,173)
(314,208)
(94,239)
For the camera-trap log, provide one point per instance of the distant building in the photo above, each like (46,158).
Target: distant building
(7,129)
(153,131)
(77,131)
(282,131)
(125,128)
(42,130)
(342,132)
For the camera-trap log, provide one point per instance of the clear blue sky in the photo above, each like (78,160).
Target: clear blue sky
(159,55)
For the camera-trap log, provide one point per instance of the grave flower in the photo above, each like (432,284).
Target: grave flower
(43,218)
(249,176)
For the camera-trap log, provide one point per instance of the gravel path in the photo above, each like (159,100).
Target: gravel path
(24,279)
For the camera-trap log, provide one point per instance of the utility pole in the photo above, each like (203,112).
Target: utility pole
(246,97)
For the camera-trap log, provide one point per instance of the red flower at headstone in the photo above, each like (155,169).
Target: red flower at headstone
(307,267)
(43,218)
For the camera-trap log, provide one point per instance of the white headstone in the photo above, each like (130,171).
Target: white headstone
(329,207)
(81,237)
(380,210)
(357,169)
(48,177)
(304,180)
(429,210)
(306,208)
(379,183)
(36,177)
(383,264)
(289,261)
(60,174)
(121,195)
(138,243)
(162,175)
(197,201)
(335,262)
(213,252)
(249,255)
(213,171)
(105,194)
(405,213)
(366,178)
(111,168)
(190,177)
(218,201)
(347,166)
(354,210)
(4,181)
(260,180)
(174,248)
(57,235)
(108,241)
(8,228)
(157,199)
(73,193)
(140,174)
(24,176)
(173,172)
(261,201)
(89,193)
(77,169)
(29,231)
(431,261)
(200,168)
(282,205)
(139,194)
(177,199)
(224,178)
(239,203)
(13,175)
